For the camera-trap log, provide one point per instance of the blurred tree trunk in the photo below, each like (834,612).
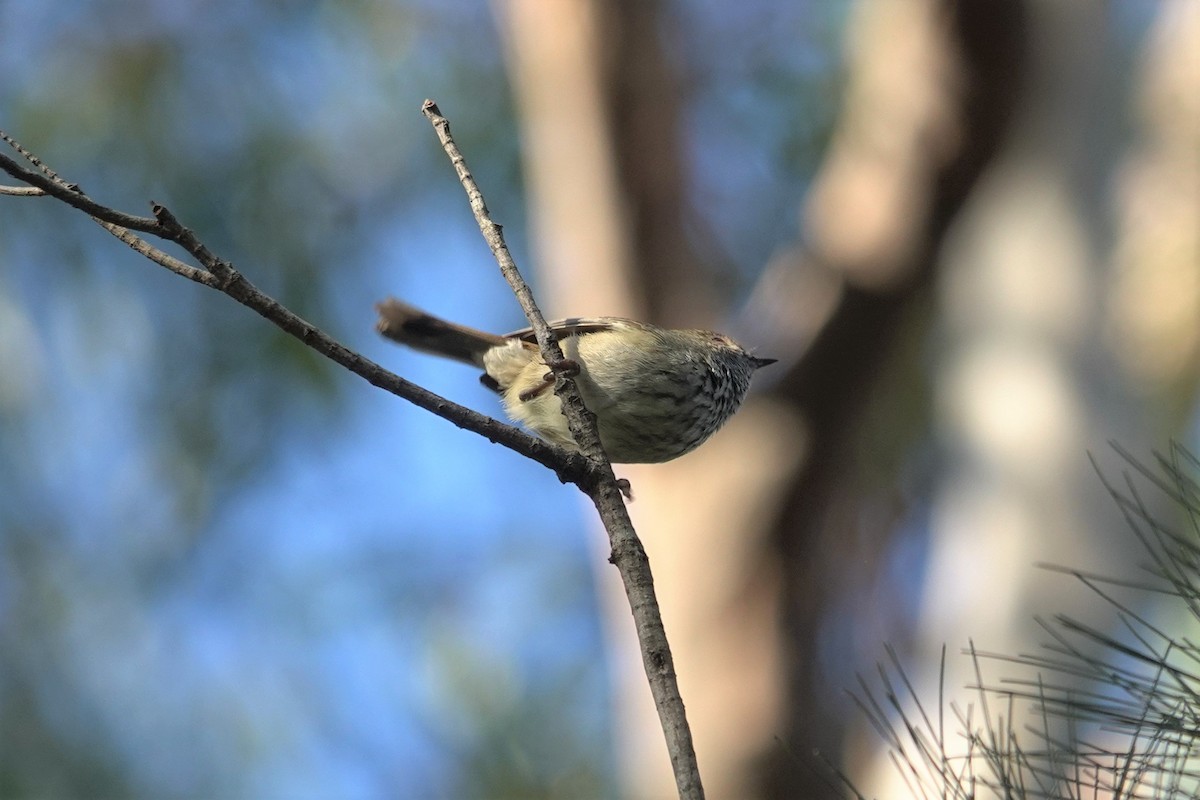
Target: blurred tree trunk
(1052,341)
(932,89)
(770,545)
(750,528)
(599,103)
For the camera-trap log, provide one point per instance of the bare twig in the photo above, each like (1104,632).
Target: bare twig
(627,553)
(22,191)
(47,182)
(218,274)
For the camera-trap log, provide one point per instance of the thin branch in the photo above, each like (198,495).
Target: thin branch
(72,195)
(141,246)
(218,274)
(627,553)
(51,184)
(22,191)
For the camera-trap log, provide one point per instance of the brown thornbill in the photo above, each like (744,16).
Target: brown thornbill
(657,393)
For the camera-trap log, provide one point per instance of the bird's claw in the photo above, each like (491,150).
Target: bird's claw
(567,368)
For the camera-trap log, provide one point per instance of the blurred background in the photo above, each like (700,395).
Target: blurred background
(968,230)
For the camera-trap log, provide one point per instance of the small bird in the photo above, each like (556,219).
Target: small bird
(657,393)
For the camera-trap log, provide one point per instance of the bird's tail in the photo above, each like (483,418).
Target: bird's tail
(411,326)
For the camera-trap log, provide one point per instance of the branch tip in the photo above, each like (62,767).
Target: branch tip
(166,219)
(434,114)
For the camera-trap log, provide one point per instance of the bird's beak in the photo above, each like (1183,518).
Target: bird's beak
(759,363)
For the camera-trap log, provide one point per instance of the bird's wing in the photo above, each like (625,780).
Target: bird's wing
(574,326)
